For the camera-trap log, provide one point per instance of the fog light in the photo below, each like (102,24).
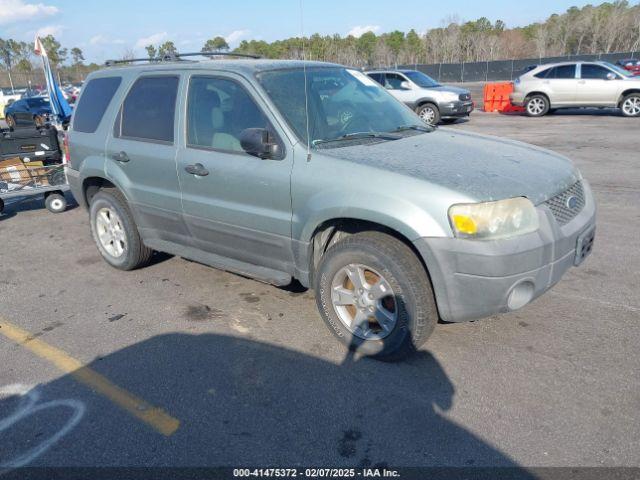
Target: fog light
(520,295)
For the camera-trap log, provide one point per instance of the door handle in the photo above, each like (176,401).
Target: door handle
(197,169)
(121,157)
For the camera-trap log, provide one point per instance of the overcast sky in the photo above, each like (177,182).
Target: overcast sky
(105,29)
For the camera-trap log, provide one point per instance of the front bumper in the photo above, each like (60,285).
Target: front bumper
(455,109)
(474,279)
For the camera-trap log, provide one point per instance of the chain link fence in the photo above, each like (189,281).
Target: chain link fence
(502,70)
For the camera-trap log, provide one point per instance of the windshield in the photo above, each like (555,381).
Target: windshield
(341,103)
(620,70)
(421,79)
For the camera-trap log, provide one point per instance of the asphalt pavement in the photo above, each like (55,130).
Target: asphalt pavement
(178,364)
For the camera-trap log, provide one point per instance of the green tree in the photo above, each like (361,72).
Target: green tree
(414,46)
(77,56)
(9,51)
(151,51)
(366,46)
(167,48)
(395,42)
(216,44)
(57,55)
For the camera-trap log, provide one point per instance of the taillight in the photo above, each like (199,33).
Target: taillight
(65,146)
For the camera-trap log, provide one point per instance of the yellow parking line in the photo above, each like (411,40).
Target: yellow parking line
(153,416)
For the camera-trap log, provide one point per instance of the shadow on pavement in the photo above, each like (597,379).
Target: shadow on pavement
(244,403)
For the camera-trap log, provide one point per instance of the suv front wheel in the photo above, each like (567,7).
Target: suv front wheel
(630,105)
(429,113)
(375,296)
(115,231)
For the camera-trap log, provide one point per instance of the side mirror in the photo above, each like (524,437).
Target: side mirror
(611,76)
(405,85)
(258,142)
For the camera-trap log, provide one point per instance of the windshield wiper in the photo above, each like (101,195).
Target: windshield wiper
(358,135)
(420,128)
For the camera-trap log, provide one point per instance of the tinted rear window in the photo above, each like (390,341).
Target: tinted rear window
(96,97)
(561,71)
(378,77)
(149,109)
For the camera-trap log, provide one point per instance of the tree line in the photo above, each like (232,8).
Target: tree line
(17,59)
(605,28)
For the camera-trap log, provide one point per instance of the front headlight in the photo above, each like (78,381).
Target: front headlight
(493,220)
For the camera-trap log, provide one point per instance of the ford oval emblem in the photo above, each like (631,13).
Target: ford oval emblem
(572,202)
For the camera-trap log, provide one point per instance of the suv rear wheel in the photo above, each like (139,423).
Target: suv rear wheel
(630,105)
(375,296)
(115,231)
(429,113)
(537,105)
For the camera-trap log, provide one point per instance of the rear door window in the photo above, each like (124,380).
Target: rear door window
(148,112)
(559,72)
(96,97)
(378,77)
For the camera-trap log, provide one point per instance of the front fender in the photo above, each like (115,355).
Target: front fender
(394,213)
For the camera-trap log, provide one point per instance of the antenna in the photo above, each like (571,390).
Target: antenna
(304,71)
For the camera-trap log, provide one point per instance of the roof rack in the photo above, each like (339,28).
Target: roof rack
(172,57)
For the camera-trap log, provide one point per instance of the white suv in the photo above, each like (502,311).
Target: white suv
(577,84)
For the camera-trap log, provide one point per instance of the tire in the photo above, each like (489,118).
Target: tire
(411,301)
(55,202)
(38,120)
(630,105)
(115,233)
(11,122)
(1,205)
(537,105)
(429,113)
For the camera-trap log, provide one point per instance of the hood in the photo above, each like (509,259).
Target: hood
(481,167)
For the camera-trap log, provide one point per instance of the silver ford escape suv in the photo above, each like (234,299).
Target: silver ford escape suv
(432,102)
(281,170)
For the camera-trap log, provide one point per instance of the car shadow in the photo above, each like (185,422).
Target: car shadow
(245,403)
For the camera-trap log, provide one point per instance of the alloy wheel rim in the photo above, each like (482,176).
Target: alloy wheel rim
(364,302)
(631,106)
(56,204)
(535,106)
(110,231)
(428,115)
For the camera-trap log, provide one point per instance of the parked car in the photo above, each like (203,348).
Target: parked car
(577,84)
(630,64)
(430,100)
(28,111)
(285,169)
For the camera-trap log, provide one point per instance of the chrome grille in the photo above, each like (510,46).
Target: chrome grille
(566,205)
